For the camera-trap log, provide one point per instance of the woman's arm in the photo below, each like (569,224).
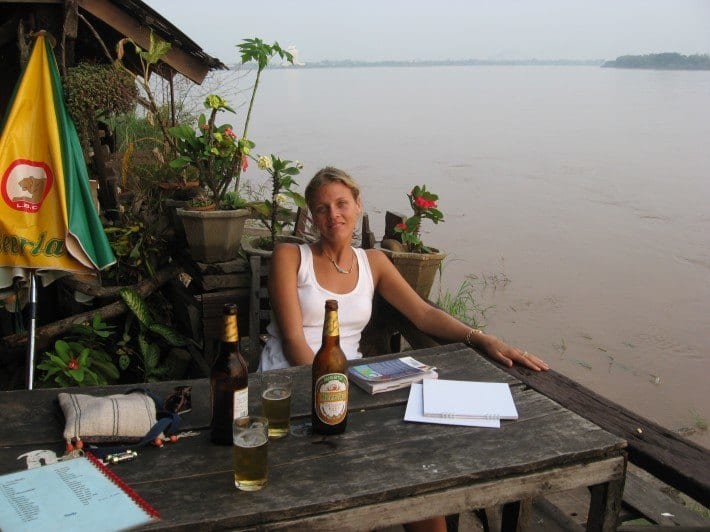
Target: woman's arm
(431,320)
(283,294)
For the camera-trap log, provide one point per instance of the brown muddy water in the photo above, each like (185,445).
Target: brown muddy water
(576,196)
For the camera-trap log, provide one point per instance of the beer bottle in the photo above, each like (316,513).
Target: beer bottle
(228,381)
(329,411)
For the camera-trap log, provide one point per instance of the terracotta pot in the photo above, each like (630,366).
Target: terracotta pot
(213,236)
(418,269)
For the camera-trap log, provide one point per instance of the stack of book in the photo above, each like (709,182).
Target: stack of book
(387,375)
(475,404)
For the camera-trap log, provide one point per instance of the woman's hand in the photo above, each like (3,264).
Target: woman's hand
(509,355)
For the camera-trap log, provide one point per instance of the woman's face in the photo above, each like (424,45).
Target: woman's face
(335,211)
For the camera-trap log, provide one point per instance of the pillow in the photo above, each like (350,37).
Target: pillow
(113,418)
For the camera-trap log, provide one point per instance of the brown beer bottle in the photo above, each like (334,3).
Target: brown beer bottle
(329,411)
(229,381)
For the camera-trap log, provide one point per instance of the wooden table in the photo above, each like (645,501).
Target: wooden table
(382,471)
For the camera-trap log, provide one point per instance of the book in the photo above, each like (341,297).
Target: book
(415,413)
(387,375)
(468,400)
(76,494)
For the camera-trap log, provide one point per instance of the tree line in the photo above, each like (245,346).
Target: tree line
(664,61)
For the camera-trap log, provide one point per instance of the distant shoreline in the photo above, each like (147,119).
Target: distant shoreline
(346,63)
(663,61)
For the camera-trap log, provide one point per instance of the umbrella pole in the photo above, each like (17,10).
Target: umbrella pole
(31,338)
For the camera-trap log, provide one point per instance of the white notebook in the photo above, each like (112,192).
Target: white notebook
(415,413)
(468,400)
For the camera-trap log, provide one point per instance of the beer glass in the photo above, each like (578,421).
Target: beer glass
(276,403)
(251,438)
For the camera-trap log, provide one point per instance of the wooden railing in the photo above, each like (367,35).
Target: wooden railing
(671,458)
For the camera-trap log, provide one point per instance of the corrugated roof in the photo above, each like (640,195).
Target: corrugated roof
(168,31)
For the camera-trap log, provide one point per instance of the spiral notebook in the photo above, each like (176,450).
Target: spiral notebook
(76,494)
(468,400)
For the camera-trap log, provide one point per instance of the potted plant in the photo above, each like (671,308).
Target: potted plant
(416,262)
(273,212)
(220,157)
(213,227)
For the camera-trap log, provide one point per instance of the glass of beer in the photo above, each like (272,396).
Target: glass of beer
(276,403)
(251,438)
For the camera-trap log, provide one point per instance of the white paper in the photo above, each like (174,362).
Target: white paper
(468,399)
(415,412)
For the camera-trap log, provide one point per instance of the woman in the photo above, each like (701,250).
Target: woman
(303,277)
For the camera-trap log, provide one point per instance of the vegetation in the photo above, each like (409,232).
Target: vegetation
(143,338)
(96,92)
(664,61)
(463,304)
(80,358)
(272,212)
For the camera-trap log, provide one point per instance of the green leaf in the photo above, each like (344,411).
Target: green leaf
(83,357)
(170,336)
(137,305)
(124,361)
(58,361)
(152,357)
(63,350)
(106,368)
(76,374)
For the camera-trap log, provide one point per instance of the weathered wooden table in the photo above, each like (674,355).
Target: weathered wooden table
(382,471)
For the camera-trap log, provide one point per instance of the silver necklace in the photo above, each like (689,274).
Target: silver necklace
(337,267)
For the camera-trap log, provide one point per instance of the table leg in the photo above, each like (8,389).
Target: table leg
(515,516)
(605,505)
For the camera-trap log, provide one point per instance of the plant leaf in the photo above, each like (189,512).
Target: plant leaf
(138,306)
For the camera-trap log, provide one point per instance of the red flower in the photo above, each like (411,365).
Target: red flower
(401,226)
(73,363)
(230,133)
(245,163)
(424,203)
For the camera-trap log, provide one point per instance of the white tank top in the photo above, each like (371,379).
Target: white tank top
(354,311)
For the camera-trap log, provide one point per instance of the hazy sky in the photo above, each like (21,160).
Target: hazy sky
(447,29)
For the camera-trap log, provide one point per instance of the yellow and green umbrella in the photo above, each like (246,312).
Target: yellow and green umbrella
(48,222)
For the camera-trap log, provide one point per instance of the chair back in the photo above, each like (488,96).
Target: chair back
(259,307)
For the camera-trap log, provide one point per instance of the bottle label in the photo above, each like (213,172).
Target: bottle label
(241,403)
(331,398)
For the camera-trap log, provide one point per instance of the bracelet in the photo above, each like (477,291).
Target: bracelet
(469,335)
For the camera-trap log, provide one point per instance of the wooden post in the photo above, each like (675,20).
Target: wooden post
(69,32)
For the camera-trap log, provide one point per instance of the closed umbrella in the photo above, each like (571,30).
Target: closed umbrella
(48,224)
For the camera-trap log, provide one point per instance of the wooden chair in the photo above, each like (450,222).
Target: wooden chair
(259,307)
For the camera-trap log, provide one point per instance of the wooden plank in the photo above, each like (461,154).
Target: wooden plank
(452,501)
(653,503)
(225,281)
